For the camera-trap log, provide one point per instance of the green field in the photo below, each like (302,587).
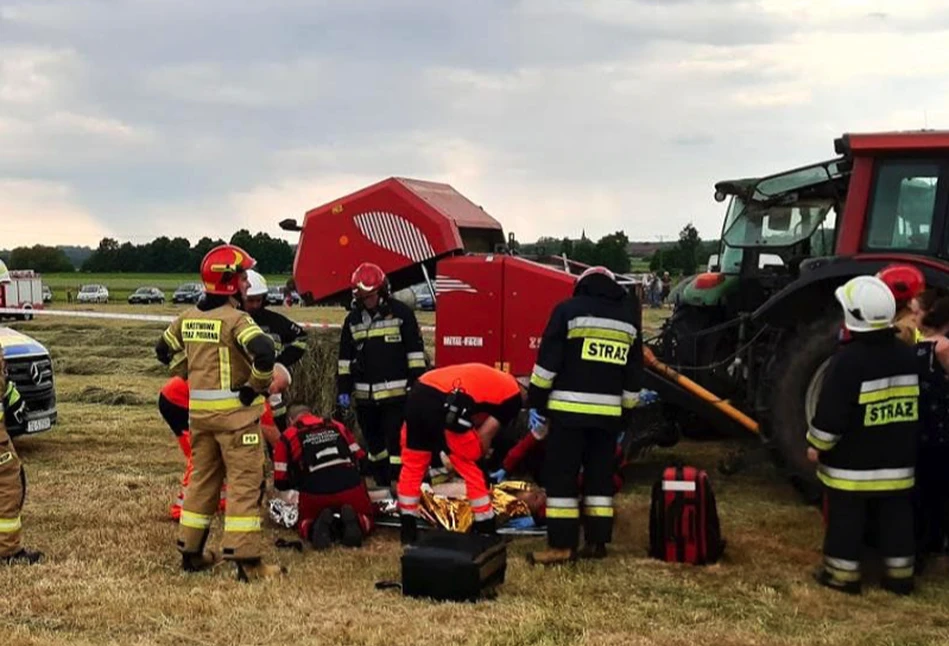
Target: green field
(121,285)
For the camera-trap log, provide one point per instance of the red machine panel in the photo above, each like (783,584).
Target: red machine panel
(493,309)
(531,291)
(398,224)
(469,292)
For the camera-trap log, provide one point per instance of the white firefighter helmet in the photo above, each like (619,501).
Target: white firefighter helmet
(257,284)
(4,274)
(597,270)
(868,304)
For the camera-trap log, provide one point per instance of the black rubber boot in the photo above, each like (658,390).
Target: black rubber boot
(824,578)
(254,570)
(23,557)
(409,529)
(321,532)
(198,562)
(902,587)
(352,532)
(593,551)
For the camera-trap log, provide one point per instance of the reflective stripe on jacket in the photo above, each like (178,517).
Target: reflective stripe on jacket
(590,362)
(867,420)
(380,354)
(214,344)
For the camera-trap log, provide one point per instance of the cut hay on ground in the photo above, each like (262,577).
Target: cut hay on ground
(97,395)
(101,481)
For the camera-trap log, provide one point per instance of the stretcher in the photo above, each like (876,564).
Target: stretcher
(423,525)
(388,516)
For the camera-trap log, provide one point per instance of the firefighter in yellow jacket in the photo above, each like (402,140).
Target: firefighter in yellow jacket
(229,362)
(12,479)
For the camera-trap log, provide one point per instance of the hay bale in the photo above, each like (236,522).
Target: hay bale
(314,377)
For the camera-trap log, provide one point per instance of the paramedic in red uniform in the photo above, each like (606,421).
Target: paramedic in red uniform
(320,459)
(463,406)
(381,354)
(173,406)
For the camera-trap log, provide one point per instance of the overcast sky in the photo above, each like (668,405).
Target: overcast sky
(137,118)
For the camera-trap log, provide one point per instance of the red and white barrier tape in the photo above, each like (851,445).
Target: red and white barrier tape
(147,318)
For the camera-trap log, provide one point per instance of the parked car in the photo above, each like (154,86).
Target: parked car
(423,298)
(30,367)
(93,294)
(147,295)
(188,293)
(275,296)
(47,294)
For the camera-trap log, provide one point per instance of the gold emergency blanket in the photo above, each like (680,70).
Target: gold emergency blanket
(454,514)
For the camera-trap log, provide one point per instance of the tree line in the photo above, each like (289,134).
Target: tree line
(160,256)
(275,255)
(685,256)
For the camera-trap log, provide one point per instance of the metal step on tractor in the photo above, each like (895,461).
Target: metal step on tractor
(758,329)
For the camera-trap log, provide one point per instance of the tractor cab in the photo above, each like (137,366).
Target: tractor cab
(772,224)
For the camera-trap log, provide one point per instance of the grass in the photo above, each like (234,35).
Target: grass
(101,480)
(317,314)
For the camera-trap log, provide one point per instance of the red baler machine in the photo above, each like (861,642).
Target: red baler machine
(491,307)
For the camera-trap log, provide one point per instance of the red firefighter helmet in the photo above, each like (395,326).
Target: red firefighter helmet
(905,281)
(222,267)
(368,279)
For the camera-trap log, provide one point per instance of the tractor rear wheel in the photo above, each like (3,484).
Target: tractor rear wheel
(796,382)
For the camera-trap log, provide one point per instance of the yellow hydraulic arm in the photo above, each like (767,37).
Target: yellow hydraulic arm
(687,384)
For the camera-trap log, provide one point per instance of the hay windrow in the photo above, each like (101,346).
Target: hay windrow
(106,397)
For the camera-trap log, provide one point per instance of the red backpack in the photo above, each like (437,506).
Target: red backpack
(683,518)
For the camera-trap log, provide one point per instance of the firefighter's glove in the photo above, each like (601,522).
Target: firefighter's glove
(535,421)
(647,397)
(247,395)
(343,400)
(498,476)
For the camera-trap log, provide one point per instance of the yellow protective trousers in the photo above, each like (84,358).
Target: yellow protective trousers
(238,457)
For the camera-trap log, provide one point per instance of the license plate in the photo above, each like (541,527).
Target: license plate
(37,425)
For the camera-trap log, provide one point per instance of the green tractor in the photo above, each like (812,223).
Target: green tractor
(758,328)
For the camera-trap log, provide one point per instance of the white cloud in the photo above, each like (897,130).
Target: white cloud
(32,76)
(554,116)
(258,85)
(38,212)
(100,127)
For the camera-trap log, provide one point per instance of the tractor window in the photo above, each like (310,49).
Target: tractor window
(779,225)
(901,216)
(824,238)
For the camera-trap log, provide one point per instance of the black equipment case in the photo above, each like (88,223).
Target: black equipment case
(454,567)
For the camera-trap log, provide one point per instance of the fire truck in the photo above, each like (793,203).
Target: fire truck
(24,292)
(757,366)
